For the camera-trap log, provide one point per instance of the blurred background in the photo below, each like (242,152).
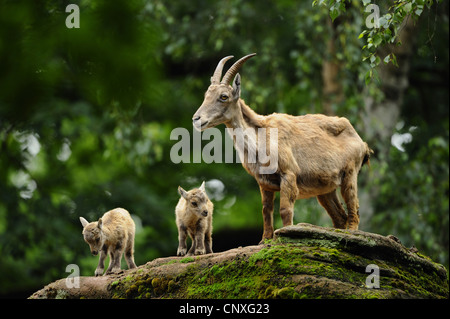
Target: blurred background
(86,116)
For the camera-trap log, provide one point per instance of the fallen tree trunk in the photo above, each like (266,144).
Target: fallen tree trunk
(303,261)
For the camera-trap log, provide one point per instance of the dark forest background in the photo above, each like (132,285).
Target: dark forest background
(86,116)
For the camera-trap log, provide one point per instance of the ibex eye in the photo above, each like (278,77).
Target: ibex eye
(194,204)
(223,97)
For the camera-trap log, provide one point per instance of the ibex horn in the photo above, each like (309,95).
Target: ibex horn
(235,68)
(215,79)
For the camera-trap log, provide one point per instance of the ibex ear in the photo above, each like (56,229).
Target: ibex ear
(100,223)
(237,87)
(83,221)
(182,192)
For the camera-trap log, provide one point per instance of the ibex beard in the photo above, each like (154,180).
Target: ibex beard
(315,154)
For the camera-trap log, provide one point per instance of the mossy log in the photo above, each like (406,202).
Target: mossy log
(303,261)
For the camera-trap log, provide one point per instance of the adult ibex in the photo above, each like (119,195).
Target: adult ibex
(316,153)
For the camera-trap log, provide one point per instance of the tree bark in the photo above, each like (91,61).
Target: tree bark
(332,89)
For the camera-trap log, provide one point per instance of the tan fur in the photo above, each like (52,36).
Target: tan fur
(194,217)
(112,234)
(316,155)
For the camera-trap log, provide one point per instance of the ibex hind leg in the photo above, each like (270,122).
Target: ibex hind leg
(288,195)
(114,263)
(349,191)
(208,242)
(129,253)
(334,208)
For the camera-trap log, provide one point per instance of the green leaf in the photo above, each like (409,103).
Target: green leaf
(419,10)
(394,60)
(362,34)
(334,14)
(377,40)
(377,60)
(385,21)
(408,7)
(317,2)
(368,77)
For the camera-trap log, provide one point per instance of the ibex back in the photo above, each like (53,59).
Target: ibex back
(317,154)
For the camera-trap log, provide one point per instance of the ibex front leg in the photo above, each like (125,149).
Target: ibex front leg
(288,195)
(182,236)
(267,198)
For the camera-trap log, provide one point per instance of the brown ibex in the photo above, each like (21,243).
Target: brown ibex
(316,153)
(194,218)
(112,234)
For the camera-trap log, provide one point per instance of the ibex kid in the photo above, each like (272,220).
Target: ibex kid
(194,217)
(112,234)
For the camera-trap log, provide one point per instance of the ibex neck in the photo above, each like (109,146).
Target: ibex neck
(244,129)
(247,118)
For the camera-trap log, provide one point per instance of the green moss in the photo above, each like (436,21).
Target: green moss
(286,270)
(286,293)
(61,294)
(187,260)
(172,285)
(156,282)
(267,274)
(263,275)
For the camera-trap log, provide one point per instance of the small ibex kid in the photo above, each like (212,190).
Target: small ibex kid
(194,217)
(112,234)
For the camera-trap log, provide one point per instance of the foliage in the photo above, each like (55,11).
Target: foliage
(381,30)
(86,116)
